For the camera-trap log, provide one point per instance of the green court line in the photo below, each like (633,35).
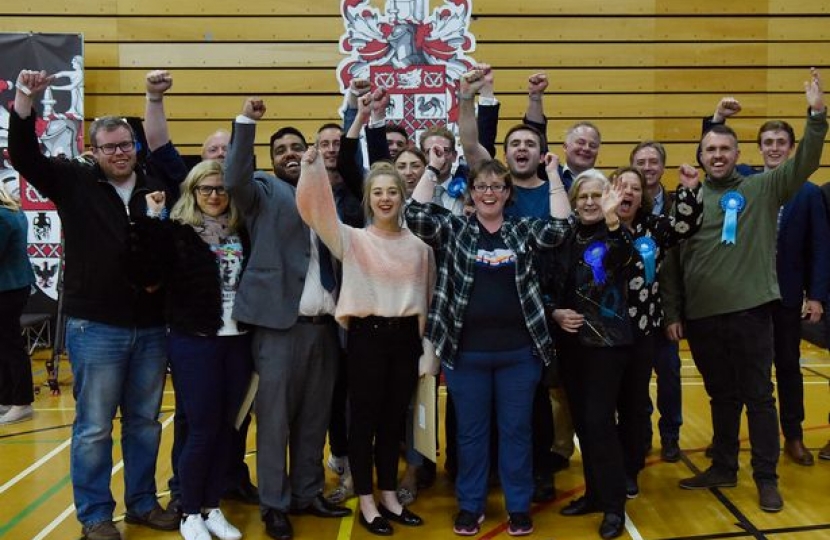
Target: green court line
(33,506)
(4,442)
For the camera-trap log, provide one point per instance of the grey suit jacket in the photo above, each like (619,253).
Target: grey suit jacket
(271,286)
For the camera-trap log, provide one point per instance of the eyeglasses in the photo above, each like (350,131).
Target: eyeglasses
(109,148)
(206,191)
(497,188)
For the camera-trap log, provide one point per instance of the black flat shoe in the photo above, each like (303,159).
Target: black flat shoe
(612,525)
(406,517)
(378,526)
(579,507)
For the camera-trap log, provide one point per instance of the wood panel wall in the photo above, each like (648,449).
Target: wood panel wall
(640,69)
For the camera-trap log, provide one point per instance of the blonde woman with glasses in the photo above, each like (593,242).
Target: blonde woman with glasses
(198,256)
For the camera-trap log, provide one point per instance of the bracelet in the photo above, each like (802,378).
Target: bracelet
(558,189)
(534,97)
(434,171)
(155,98)
(465,97)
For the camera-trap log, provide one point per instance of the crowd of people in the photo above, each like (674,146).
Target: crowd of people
(546,293)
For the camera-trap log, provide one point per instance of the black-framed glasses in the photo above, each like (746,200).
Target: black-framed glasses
(497,188)
(206,191)
(109,148)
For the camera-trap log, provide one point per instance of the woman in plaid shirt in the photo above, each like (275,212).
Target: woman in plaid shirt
(488,326)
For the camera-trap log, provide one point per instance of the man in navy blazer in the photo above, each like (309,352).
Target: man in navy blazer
(803,268)
(287,294)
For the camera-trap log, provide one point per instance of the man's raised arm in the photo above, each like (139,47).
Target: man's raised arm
(239,163)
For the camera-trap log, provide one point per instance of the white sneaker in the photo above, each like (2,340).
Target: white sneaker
(17,413)
(4,409)
(219,526)
(337,465)
(193,528)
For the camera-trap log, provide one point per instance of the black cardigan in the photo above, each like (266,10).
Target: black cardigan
(173,255)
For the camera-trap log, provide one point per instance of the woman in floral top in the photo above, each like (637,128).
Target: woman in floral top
(652,235)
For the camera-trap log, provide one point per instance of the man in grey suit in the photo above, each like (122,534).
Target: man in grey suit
(288,293)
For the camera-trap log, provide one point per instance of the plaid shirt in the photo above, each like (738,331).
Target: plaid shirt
(455,242)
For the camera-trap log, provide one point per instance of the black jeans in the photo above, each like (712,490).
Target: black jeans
(733,352)
(16,386)
(383,371)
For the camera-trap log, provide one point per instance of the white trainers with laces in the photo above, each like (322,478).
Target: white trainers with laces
(219,526)
(193,528)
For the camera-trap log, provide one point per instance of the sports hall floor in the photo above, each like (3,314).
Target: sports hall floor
(36,495)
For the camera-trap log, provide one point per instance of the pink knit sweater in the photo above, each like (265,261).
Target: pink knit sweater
(387,274)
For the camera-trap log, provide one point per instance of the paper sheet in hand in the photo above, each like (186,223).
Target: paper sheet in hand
(423,420)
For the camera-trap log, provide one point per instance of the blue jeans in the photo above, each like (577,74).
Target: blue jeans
(115,368)
(211,375)
(509,378)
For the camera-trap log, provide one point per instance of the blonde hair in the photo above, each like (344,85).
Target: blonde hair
(7,201)
(382,168)
(187,210)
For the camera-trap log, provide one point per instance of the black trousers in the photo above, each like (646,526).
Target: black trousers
(593,381)
(338,423)
(786,324)
(633,417)
(542,433)
(733,352)
(382,374)
(16,386)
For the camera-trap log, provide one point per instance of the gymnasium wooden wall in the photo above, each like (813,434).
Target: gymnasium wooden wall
(640,69)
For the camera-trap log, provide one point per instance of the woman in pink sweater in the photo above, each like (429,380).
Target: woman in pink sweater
(388,275)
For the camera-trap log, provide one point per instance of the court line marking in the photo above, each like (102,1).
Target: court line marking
(34,466)
(69,510)
(344,532)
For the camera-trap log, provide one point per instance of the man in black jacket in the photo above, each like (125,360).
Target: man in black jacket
(114,332)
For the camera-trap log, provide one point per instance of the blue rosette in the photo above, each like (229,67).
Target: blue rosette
(647,248)
(456,187)
(593,257)
(732,203)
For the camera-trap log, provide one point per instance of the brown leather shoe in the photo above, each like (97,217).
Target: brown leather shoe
(798,452)
(824,453)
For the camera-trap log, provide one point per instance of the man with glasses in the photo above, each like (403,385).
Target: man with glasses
(114,332)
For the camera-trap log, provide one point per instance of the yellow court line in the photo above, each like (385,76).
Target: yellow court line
(347,523)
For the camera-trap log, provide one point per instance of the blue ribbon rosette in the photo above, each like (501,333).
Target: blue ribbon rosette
(647,248)
(455,188)
(593,257)
(732,203)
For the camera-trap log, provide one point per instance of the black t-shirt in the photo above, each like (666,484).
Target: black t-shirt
(494,320)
